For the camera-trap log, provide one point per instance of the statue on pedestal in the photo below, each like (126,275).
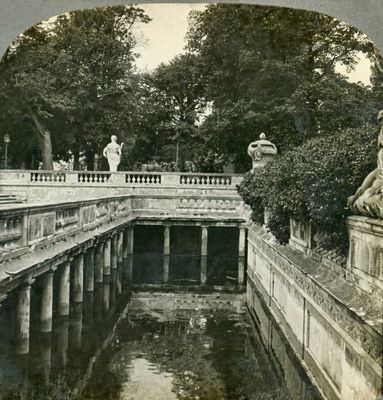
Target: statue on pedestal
(368,199)
(261,151)
(113,153)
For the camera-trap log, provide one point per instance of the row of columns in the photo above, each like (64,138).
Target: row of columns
(99,265)
(204,254)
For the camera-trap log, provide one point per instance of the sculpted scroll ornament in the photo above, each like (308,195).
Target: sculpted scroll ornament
(368,199)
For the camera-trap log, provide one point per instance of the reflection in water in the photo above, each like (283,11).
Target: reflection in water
(147,382)
(141,353)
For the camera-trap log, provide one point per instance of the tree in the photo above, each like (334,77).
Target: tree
(172,104)
(261,75)
(74,79)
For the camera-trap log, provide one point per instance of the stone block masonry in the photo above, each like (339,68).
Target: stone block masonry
(334,327)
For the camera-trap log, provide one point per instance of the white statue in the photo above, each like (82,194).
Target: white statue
(113,153)
(261,151)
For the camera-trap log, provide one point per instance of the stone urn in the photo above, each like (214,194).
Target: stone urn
(261,151)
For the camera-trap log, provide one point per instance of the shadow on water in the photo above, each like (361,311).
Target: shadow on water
(154,346)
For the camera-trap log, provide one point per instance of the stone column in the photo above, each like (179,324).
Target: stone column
(78,279)
(63,341)
(107,256)
(107,272)
(23,317)
(45,355)
(166,254)
(64,289)
(76,326)
(204,235)
(99,267)
(46,311)
(89,272)
(106,293)
(114,252)
(241,255)
(130,247)
(125,242)
(118,279)
(120,240)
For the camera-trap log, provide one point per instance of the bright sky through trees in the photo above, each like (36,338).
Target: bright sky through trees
(164,37)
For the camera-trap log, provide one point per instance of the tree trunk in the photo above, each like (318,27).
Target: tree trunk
(89,160)
(45,142)
(46,152)
(177,154)
(76,160)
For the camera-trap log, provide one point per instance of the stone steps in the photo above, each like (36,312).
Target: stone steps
(9,199)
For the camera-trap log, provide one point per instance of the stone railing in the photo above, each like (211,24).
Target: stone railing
(34,185)
(26,228)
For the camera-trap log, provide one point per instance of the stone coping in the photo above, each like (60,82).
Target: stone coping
(48,205)
(26,171)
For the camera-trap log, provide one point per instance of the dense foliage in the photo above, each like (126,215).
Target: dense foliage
(67,84)
(70,82)
(262,76)
(312,182)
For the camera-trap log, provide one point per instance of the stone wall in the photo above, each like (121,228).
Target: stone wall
(334,327)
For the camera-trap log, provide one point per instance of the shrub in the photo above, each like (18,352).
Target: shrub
(312,182)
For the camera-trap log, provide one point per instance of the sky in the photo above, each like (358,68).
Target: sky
(164,37)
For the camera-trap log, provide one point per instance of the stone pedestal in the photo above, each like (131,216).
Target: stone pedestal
(366,251)
(46,303)
(204,236)
(300,235)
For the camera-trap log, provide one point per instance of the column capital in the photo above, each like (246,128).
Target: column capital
(27,283)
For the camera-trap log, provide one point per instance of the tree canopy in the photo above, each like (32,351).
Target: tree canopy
(67,84)
(72,81)
(263,76)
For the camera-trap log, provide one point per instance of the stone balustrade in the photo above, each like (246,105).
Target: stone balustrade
(33,185)
(28,227)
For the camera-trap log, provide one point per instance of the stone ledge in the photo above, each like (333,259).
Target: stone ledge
(356,312)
